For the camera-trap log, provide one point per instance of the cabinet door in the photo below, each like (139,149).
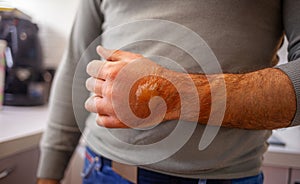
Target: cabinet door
(295,176)
(275,175)
(19,168)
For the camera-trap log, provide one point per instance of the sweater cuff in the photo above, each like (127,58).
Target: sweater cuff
(53,163)
(292,70)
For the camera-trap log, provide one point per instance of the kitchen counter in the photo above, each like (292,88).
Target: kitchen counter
(21,128)
(287,155)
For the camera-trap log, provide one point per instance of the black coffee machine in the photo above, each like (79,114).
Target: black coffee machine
(27,83)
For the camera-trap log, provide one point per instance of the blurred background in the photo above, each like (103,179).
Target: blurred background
(36,33)
(23,121)
(54,19)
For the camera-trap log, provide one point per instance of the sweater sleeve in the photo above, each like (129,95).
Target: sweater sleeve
(291,20)
(67,113)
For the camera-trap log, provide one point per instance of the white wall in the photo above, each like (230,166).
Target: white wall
(55,19)
(282,53)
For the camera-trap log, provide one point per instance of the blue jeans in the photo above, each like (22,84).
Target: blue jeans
(97,170)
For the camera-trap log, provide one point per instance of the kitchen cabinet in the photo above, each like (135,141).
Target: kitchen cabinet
(282,163)
(295,176)
(274,175)
(281,175)
(20,131)
(20,167)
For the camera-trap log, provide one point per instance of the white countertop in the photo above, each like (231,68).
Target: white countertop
(21,128)
(288,155)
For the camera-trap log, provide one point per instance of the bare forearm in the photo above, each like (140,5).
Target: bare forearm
(264,99)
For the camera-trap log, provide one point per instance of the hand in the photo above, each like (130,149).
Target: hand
(130,90)
(47,181)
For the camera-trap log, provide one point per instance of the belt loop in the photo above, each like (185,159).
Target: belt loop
(98,163)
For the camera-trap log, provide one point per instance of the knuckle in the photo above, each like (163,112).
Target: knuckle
(114,54)
(110,70)
(106,89)
(97,87)
(116,68)
(117,52)
(113,74)
(100,69)
(108,97)
(139,56)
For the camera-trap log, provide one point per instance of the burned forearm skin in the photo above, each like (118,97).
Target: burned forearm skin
(148,87)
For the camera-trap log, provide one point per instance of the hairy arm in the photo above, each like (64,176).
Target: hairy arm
(263,99)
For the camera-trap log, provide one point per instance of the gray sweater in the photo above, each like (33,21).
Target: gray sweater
(243,35)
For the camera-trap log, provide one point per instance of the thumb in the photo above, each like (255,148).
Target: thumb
(116,55)
(105,53)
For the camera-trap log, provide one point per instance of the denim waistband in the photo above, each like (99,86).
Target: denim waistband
(92,157)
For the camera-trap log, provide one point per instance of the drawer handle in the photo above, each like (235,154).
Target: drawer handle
(4,173)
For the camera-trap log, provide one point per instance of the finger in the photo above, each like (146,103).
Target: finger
(94,67)
(95,85)
(99,105)
(98,69)
(117,55)
(105,53)
(109,122)
(90,104)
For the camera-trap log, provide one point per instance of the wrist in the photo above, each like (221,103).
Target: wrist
(47,181)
